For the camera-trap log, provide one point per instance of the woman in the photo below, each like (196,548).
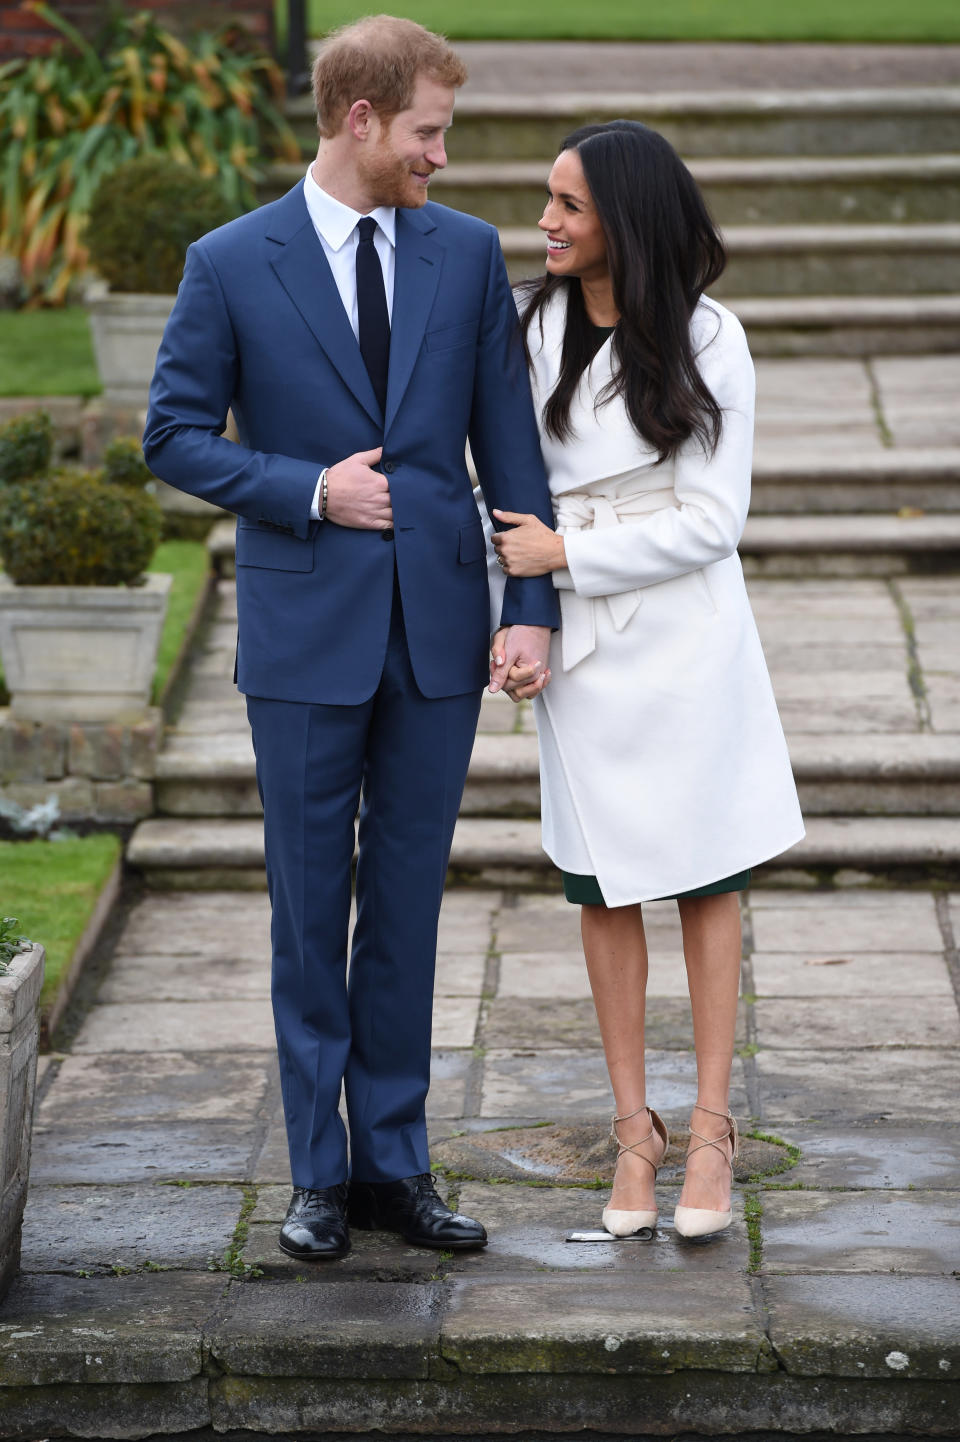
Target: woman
(664,771)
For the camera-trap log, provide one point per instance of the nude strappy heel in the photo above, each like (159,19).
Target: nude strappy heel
(699,1221)
(621,1223)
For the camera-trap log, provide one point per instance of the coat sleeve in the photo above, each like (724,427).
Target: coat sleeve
(505,442)
(192,390)
(713,492)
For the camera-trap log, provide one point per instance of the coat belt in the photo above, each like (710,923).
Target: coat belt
(581,511)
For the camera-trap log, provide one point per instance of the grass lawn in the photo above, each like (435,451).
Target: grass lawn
(51,887)
(189,564)
(863,20)
(47,353)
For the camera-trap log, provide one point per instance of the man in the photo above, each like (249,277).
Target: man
(360,335)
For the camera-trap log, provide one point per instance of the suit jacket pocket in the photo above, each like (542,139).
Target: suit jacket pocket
(273,550)
(473,545)
(452,335)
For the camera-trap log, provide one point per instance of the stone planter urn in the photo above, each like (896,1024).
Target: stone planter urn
(20,988)
(126,330)
(81,653)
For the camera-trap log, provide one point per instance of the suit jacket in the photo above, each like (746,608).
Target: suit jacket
(259,326)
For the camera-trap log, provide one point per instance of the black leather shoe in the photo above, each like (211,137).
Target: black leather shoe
(315,1227)
(412,1208)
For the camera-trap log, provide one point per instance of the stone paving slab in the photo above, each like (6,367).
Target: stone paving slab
(189,977)
(118,1088)
(543,976)
(528,1226)
(97,1228)
(899,1083)
(633,1323)
(102,1330)
(852,921)
(844,973)
(223,1025)
(374,1258)
(877,1154)
(226,924)
(840,1232)
(574,1084)
(135,1152)
(364,1329)
(856,1022)
(572,1024)
(903,1327)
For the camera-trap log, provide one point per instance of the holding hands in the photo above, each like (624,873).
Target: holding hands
(518,661)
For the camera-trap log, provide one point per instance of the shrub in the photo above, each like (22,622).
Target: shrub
(142,218)
(10,943)
(75,528)
(212,102)
(123,464)
(26,445)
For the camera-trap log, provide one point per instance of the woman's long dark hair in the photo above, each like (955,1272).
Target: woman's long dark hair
(663,251)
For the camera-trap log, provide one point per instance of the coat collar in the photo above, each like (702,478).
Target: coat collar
(302,270)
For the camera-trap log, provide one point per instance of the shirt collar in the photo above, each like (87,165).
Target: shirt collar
(336,222)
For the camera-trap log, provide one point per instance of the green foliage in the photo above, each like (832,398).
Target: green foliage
(144,215)
(53,886)
(123,464)
(47,353)
(11,943)
(26,445)
(863,20)
(73,528)
(188,562)
(69,118)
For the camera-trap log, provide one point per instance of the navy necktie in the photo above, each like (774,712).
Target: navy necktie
(373,318)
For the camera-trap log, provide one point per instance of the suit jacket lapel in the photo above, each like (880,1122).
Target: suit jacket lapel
(417,265)
(302,270)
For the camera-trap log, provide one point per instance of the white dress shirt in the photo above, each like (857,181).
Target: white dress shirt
(336,227)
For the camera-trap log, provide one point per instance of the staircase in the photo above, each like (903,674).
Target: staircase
(840,208)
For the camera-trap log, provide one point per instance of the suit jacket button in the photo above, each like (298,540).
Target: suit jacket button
(387,534)
(389,467)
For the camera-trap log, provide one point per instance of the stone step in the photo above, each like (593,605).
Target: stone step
(206,776)
(803,485)
(751,190)
(864,545)
(204,854)
(806,545)
(916,120)
(802,260)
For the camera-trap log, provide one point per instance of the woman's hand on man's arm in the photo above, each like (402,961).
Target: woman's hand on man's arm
(530,548)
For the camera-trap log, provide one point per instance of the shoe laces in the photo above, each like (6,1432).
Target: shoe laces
(314,1199)
(427,1182)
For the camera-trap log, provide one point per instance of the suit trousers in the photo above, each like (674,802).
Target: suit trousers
(404,758)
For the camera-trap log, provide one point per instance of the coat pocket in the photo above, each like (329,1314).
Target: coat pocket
(272,550)
(451,336)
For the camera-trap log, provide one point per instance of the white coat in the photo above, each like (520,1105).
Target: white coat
(663,765)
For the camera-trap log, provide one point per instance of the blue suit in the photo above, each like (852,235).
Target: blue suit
(362,654)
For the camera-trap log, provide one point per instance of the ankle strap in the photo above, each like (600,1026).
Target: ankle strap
(628,1116)
(731,1134)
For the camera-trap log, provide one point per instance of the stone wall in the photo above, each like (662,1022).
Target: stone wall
(24,33)
(19,997)
(97,771)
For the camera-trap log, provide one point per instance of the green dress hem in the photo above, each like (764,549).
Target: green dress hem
(585,890)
